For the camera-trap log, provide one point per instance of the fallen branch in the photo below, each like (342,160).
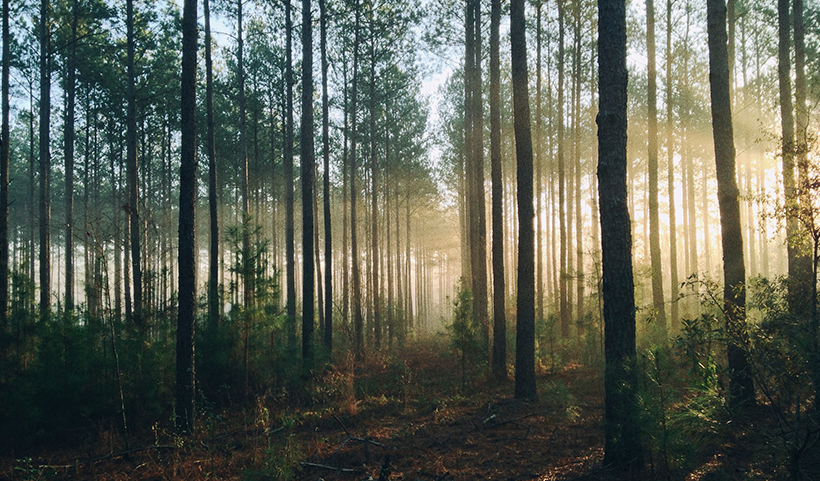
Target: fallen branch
(103,457)
(332,468)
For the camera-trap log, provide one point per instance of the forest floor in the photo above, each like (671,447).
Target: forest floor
(402,420)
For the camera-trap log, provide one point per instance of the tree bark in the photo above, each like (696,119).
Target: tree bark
(358,322)
(563,307)
(4,173)
(187,213)
(525,310)
(213,256)
(622,435)
(654,217)
(45,159)
(328,334)
(290,251)
(499,360)
(670,161)
(68,138)
(741,388)
(132,173)
(308,166)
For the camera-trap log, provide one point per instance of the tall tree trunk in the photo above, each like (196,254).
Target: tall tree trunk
(328,334)
(290,251)
(538,156)
(4,173)
(308,167)
(475,168)
(132,172)
(525,311)
(622,434)
(45,159)
(247,259)
(741,388)
(563,307)
(358,322)
(187,213)
(670,161)
(499,360)
(69,161)
(210,145)
(374,231)
(654,217)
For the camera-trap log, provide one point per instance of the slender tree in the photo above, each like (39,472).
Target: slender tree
(68,138)
(670,161)
(741,388)
(290,252)
(210,146)
(328,334)
(499,291)
(45,158)
(132,172)
(622,436)
(358,322)
(475,168)
(308,167)
(654,217)
(187,213)
(563,306)
(4,171)
(525,311)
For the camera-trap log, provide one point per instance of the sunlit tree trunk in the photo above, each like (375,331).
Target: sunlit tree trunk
(741,388)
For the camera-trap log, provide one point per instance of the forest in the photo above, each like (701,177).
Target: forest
(410,240)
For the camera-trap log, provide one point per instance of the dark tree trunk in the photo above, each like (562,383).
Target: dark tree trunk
(290,251)
(564,313)
(654,217)
(538,156)
(69,161)
(525,311)
(45,159)
(499,291)
(670,160)
(358,322)
(622,435)
(374,231)
(475,168)
(4,173)
(741,388)
(213,257)
(132,172)
(308,166)
(328,334)
(187,214)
